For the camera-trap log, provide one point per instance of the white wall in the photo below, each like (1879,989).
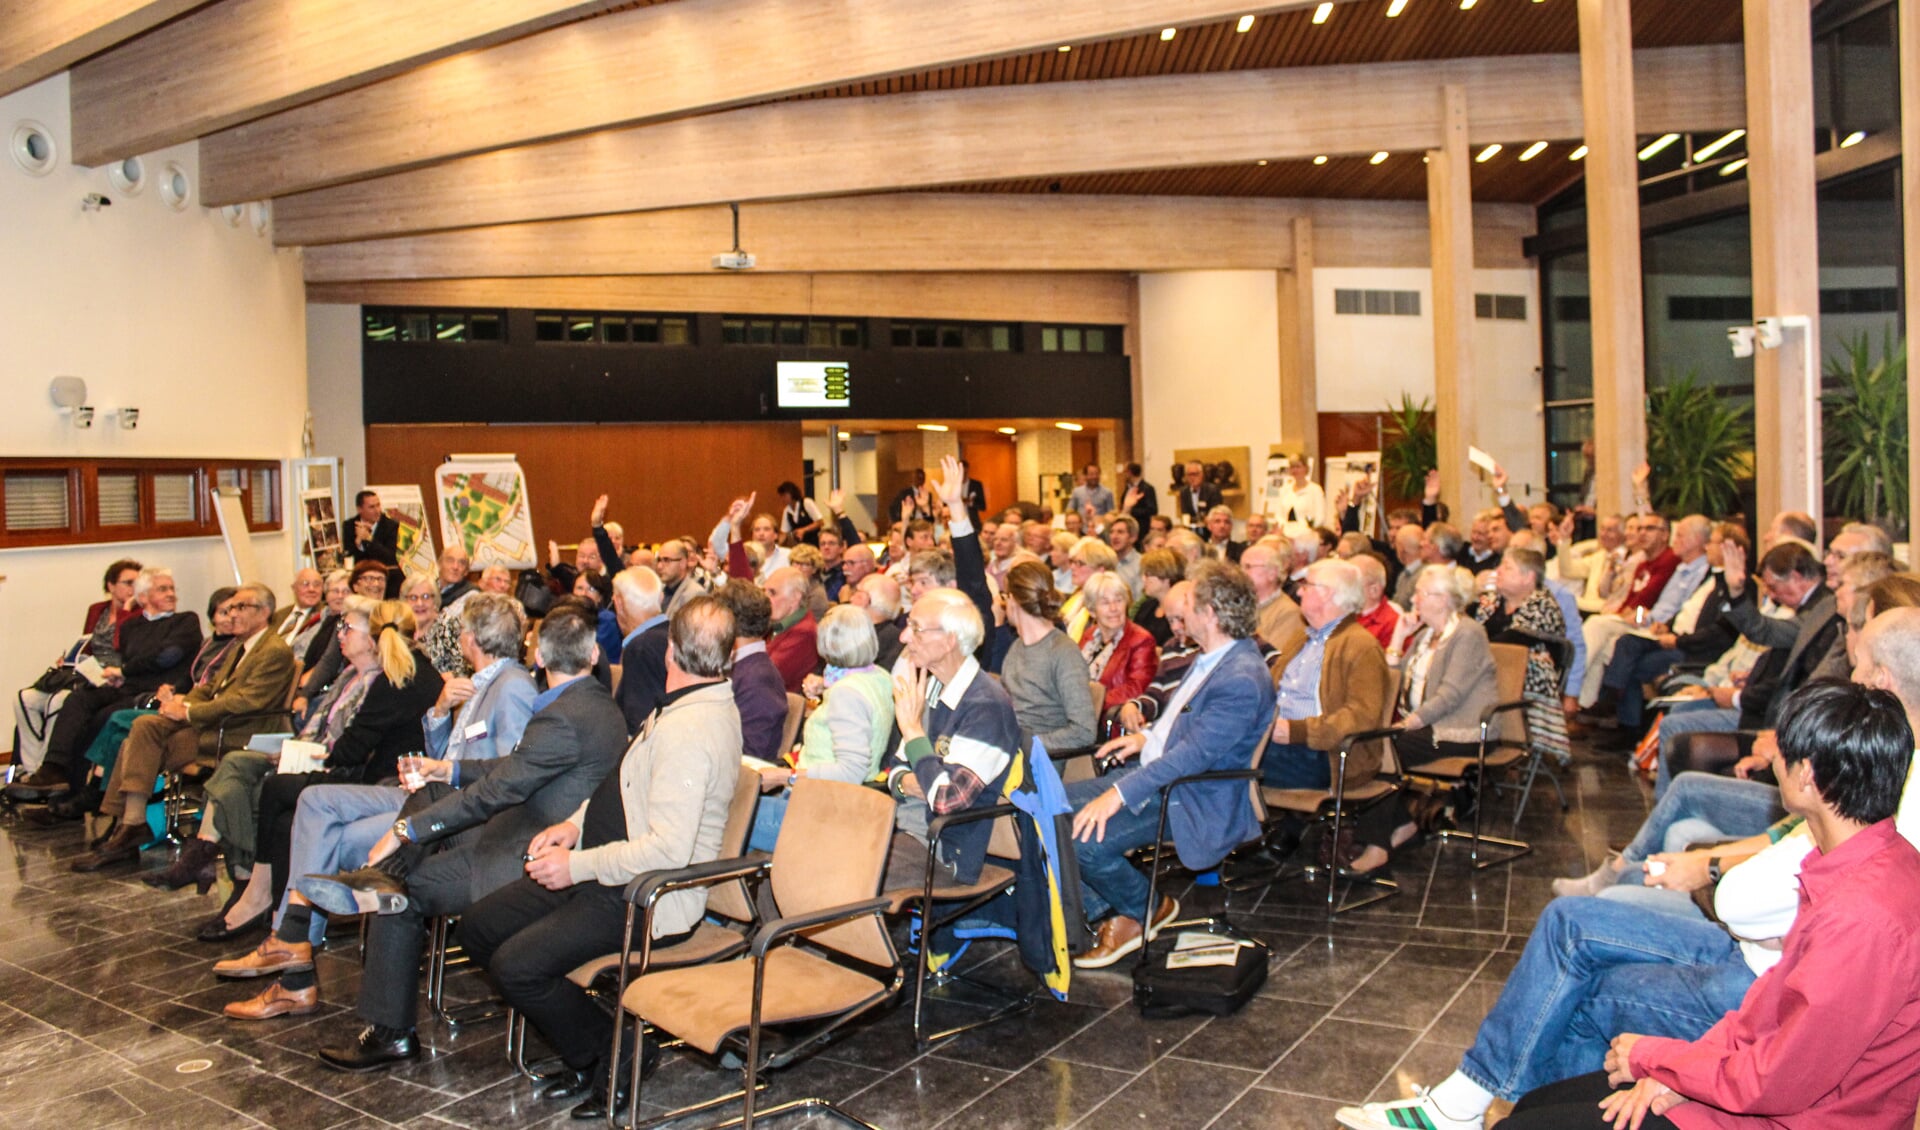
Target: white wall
(334,390)
(1209,365)
(197,323)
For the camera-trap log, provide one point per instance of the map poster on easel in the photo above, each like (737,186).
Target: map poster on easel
(483,505)
(408,510)
(322,544)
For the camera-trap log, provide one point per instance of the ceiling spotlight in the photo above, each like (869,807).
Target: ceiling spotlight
(1063,48)
(931,427)
(1532,151)
(1577,154)
(1246,24)
(1321,13)
(1853,139)
(1007,431)
(1261,161)
(1167,33)
(1069,427)
(1717,144)
(1467,5)
(1396,7)
(1320,160)
(1377,158)
(1654,147)
(1487,154)
(845,435)
(1732,167)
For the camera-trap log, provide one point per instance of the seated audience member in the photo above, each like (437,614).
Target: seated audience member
(421,595)
(1160,570)
(1596,968)
(586,560)
(298,622)
(1044,674)
(1441,544)
(1188,545)
(372,716)
(758,693)
(1123,534)
(1220,544)
(1377,613)
(1854,537)
(1601,569)
(808,560)
(1446,673)
(833,572)
(856,565)
(958,736)
(1257,527)
(156,648)
(444,637)
(572,743)
(1479,554)
(1352,544)
(1331,680)
(1214,719)
(1569,602)
(1521,603)
(99,632)
(1831,1035)
(928,569)
(1692,567)
(252,680)
(1090,557)
(1004,544)
(1409,554)
(1795,580)
(845,737)
(643,646)
(335,826)
(1060,556)
(1856,575)
(453,577)
(1119,653)
(1036,537)
(879,596)
(1266,564)
(369,583)
(597,590)
(793,646)
(673,563)
(1699,633)
(371,535)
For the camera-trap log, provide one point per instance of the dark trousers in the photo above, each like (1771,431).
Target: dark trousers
(390,984)
(1571,1104)
(529,938)
(80,720)
(1636,660)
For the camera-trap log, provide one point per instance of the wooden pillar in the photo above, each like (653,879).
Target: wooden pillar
(1136,446)
(1450,229)
(1786,254)
(1613,251)
(1910,194)
(1299,399)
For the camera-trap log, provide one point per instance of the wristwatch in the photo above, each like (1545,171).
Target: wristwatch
(1713,869)
(405,834)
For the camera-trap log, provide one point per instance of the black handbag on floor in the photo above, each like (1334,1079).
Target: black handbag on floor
(1216,973)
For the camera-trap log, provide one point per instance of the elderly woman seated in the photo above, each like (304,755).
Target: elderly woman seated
(1160,570)
(1520,603)
(846,735)
(1089,557)
(1120,654)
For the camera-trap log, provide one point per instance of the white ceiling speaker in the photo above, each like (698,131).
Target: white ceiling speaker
(68,392)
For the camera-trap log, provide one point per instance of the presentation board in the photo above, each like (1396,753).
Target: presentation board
(813,384)
(408,510)
(483,505)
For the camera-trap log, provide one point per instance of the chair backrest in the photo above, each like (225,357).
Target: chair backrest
(796,708)
(614,671)
(1253,786)
(1004,839)
(1099,690)
(293,685)
(833,850)
(1510,685)
(729,900)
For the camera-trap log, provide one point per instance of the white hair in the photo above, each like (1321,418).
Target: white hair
(1342,581)
(958,617)
(640,588)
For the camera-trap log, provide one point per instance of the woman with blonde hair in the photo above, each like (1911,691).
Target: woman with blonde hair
(1043,672)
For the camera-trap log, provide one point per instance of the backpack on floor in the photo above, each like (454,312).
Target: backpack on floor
(1198,967)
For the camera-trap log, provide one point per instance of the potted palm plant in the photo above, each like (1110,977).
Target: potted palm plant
(1698,446)
(1409,448)
(1864,417)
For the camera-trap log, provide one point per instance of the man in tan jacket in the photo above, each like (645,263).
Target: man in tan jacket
(664,808)
(1267,563)
(1333,681)
(253,680)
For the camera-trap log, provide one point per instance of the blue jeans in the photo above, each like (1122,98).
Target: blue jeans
(1636,660)
(766,822)
(1703,806)
(1109,884)
(1689,719)
(1295,766)
(334,827)
(1592,970)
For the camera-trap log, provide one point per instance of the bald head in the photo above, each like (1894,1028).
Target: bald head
(1889,656)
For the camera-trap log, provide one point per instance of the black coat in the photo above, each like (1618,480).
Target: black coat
(1209,498)
(567,749)
(643,675)
(386,726)
(158,652)
(1149,504)
(383,546)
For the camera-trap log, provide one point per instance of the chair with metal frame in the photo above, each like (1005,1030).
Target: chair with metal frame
(176,802)
(1153,854)
(825,961)
(1503,744)
(1340,804)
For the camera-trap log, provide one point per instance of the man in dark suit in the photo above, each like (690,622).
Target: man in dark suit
(637,595)
(572,742)
(1220,543)
(976,494)
(454,583)
(758,692)
(1137,496)
(371,536)
(1197,495)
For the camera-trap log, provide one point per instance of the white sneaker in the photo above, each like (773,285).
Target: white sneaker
(1418,1113)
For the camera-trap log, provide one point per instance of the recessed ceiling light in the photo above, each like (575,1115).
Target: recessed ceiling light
(1063,48)
(1487,154)
(1007,431)
(1377,158)
(846,435)
(1718,143)
(1732,167)
(1261,161)
(1246,24)
(1467,5)
(1654,147)
(1167,33)
(931,427)
(1320,160)
(1577,154)
(1532,151)
(1068,427)
(1321,13)
(1853,139)
(1396,7)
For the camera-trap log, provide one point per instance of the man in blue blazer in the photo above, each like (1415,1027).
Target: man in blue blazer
(1214,719)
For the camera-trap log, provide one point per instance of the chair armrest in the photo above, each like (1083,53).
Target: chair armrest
(1211,775)
(644,889)
(967,816)
(781,927)
(1072,752)
(1351,740)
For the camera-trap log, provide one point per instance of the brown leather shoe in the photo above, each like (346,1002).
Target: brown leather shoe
(121,847)
(275,1000)
(270,956)
(1120,936)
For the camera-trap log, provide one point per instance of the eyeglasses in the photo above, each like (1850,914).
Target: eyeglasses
(420,598)
(923,629)
(242,607)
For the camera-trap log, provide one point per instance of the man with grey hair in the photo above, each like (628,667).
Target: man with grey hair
(1409,551)
(856,565)
(454,567)
(792,647)
(1266,565)
(879,596)
(1334,681)
(1854,537)
(1377,614)
(1689,547)
(643,644)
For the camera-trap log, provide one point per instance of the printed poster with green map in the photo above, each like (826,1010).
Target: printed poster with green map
(483,505)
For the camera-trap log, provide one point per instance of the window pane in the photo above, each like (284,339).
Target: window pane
(416,327)
(1406,302)
(733,331)
(820,334)
(1348,302)
(901,336)
(976,337)
(37,501)
(1096,341)
(926,337)
(484,327)
(1049,339)
(1070,340)
(675,331)
(613,330)
(646,331)
(580,328)
(849,335)
(791,333)
(381,325)
(1512,307)
(1002,338)
(174,497)
(229,477)
(449,327)
(119,498)
(759,333)
(549,327)
(1483,305)
(260,512)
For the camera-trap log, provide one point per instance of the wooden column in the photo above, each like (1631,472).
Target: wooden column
(1910,193)
(1613,250)
(1299,398)
(1450,228)
(1786,254)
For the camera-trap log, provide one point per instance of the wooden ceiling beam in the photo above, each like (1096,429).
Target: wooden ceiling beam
(840,146)
(44,37)
(932,232)
(240,59)
(651,64)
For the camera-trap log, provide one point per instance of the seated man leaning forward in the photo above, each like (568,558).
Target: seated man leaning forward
(1214,720)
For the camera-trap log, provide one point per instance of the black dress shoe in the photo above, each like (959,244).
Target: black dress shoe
(370,1051)
(121,847)
(47,816)
(569,1083)
(215,929)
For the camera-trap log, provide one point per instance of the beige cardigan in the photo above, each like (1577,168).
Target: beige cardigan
(676,783)
(1460,682)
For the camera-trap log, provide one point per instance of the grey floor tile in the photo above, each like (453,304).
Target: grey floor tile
(1173,1092)
(1276,1110)
(1126,1041)
(1048,1093)
(1255,1037)
(1340,1059)
(922,1093)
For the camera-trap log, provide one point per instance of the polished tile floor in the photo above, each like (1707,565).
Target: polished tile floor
(109,1014)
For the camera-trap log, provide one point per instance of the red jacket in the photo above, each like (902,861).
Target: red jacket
(120,617)
(1651,577)
(795,652)
(1133,664)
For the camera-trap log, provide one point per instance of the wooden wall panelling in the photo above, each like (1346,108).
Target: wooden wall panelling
(917,140)
(933,232)
(991,458)
(700,55)
(44,37)
(662,479)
